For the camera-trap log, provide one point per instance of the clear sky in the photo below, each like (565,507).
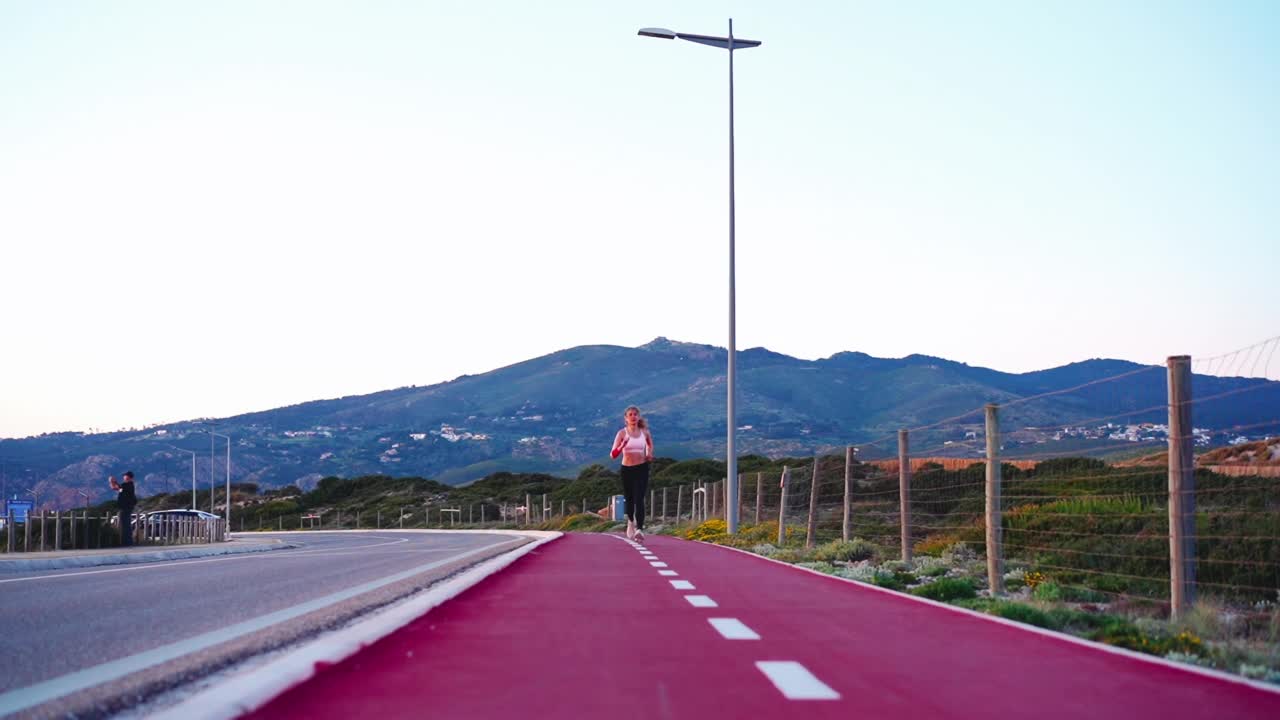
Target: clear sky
(213,208)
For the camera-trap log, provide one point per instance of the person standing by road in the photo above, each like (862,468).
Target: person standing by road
(127,499)
(635,444)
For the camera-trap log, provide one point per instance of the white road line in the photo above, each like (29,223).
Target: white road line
(650,557)
(658,564)
(682,585)
(668,573)
(700,601)
(795,682)
(733,629)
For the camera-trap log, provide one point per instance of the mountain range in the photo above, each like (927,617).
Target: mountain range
(558,412)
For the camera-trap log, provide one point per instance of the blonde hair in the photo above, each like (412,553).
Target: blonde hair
(640,421)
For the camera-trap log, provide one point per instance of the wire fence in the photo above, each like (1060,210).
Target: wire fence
(1154,526)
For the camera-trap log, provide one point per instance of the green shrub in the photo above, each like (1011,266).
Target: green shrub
(1016,611)
(1175,656)
(1047,592)
(1126,634)
(947,589)
(890,581)
(933,545)
(934,571)
(584,522)
(1260,672)
(840,551)
(764,549)
(959,553)
(1023,613)
(792,555)
(1081,594)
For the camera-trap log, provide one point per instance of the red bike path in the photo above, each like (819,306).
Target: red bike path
(586,626)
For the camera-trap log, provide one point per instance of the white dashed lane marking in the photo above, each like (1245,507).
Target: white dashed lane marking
(795,682)
(792,679)
(733,629)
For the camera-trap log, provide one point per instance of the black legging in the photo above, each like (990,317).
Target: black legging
(635,485)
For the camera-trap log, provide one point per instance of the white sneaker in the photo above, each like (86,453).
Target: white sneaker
(631,529)
(639,536)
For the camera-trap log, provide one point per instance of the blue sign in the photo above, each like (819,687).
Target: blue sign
(19,508)
(619,508)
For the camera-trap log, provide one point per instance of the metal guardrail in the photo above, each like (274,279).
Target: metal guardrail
(48,531)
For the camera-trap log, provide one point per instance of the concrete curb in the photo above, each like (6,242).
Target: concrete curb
(18,565)
(248,691)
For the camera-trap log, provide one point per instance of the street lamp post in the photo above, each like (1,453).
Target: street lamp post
(193,473)
(227,515)
(729,43)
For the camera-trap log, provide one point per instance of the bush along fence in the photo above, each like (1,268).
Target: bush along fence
(45,531)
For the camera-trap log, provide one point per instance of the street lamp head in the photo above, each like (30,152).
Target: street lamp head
(663,33)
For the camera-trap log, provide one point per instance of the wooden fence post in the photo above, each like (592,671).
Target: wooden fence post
(995,574)
(811,532)
(782,508)
(759,494)
(844,522)
(1182,489)
(679,502)
(904,493)
(737,512)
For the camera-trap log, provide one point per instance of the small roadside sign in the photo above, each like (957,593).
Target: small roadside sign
(19,508)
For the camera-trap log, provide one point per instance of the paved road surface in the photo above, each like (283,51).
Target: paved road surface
(67,632)
(590,626)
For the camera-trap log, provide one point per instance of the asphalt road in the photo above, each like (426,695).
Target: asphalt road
(97,641)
